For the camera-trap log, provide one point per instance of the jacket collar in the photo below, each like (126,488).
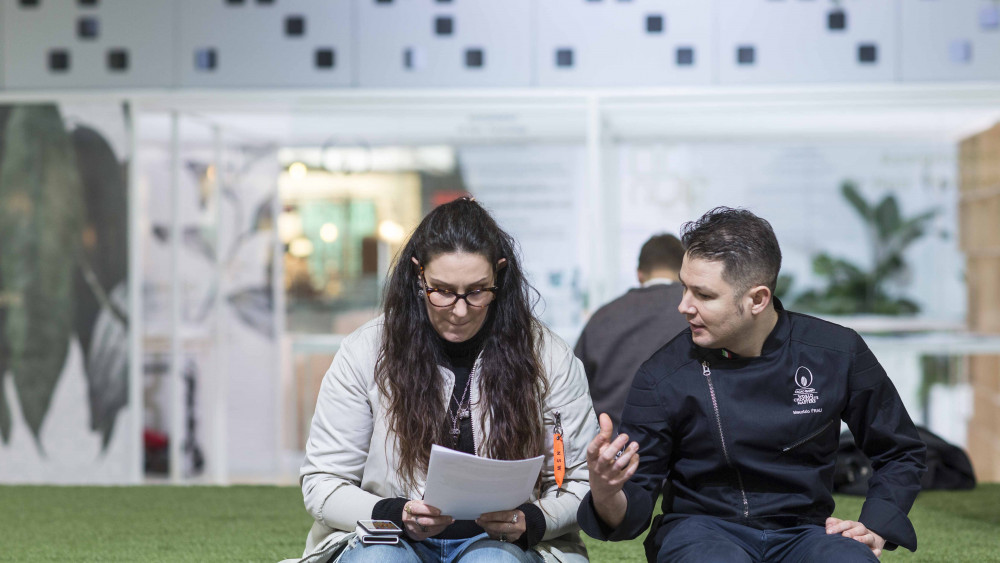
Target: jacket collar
(775,340)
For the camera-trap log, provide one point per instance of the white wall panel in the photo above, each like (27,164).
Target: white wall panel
(66,44)
(389,29)
(949,40)
(793,41)
(616,43)
(253,46)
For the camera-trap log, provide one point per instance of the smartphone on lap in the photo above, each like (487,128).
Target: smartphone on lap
(379,532)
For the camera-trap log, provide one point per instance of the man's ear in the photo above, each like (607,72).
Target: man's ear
(760,298)
(501,264)
(641,276)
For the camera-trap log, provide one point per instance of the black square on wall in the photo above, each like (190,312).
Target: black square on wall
(654,24)
(205,59)
(867,53)
(87,2)
(745,55)
(118,60)
(836,20)
(383,1)
(295,26)
(325,58)
(564,58)
(685,56)
(87,28)
(474,58)
(444,25)
(29,3)
(59,60)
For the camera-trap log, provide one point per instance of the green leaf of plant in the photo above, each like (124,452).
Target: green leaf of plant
(40,219)
(911,230)
(853,197)
(887,218)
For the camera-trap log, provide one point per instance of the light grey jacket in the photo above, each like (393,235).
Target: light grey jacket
(351,461)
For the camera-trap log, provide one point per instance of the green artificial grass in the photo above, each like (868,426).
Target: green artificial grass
(180,524)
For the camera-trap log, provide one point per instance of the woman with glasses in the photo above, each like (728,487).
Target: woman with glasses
(459,360)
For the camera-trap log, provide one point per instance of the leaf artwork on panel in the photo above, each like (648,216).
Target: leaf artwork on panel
(4,408)
(5,419)
(264,218)
(5,422)
(255,307)
(41,216)
(101,301)
(107,366)
(200,239)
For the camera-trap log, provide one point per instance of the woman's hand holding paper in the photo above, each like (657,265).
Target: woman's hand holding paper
(422,521)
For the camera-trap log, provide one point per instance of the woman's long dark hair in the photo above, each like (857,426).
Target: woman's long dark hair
(511,381)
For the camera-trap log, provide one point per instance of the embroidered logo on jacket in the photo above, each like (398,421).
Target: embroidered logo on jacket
(805,394)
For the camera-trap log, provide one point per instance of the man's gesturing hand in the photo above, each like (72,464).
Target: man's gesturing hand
(609,471)
(858,531)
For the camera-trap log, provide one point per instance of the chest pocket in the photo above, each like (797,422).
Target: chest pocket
(810,443)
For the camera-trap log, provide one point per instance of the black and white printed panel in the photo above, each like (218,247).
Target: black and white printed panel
(87,44)
(806,41)
(949,40)
(264,43)
(623,43)
(444,43)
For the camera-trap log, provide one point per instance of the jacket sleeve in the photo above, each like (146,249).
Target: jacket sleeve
(337,449)
(883,430)
(569,396)
(645,420)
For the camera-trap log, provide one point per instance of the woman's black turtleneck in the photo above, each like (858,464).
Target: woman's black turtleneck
(460,357)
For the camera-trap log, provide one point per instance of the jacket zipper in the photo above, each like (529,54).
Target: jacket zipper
(807,438)
(722,438)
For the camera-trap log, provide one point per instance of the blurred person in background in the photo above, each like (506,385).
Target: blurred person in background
(625,332)
(456,359)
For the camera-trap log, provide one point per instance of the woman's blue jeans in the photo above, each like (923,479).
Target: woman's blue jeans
(478,549)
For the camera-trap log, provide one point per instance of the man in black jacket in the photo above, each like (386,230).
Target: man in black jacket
(741,415)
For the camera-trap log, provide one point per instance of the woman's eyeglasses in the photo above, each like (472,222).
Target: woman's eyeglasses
(446,298)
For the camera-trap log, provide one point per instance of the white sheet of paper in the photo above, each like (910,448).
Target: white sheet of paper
(464,486)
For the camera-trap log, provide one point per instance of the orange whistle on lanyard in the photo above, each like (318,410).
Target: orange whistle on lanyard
(558,455)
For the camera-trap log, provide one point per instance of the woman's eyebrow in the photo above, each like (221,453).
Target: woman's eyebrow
(438,283)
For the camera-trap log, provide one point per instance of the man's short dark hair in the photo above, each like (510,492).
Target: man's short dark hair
(661,251)
(742,241)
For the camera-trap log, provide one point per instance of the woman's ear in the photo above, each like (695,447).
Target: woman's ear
(415,261)
(501,264)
